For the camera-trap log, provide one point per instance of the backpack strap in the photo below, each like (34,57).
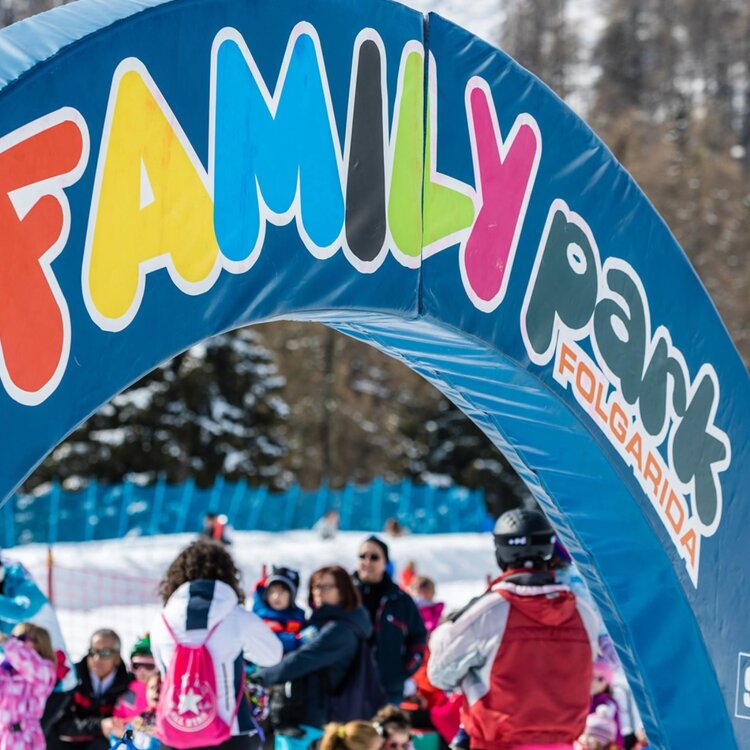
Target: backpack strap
(175,639)
(169,629)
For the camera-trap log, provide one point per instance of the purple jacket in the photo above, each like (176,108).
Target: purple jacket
(26,680)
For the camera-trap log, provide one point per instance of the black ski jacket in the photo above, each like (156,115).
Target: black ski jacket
(399,636)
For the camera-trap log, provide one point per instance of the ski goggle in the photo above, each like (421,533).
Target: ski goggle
(138,665)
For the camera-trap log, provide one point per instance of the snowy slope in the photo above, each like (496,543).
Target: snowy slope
(112,584)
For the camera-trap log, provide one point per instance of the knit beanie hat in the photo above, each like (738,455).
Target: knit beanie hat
(383,546)
(286,577)
(600,726)
(142,647)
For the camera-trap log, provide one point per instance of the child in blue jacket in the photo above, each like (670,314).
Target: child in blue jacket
(274,604)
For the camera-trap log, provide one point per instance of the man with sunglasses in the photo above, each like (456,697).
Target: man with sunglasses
(399,634)
(86,722)
(522,653)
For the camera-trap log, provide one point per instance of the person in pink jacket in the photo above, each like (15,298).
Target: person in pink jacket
(422,590)
(27,676)
(133,702)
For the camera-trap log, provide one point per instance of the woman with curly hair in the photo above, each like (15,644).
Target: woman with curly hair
(203,607)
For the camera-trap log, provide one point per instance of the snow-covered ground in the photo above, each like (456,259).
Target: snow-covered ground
(113,583)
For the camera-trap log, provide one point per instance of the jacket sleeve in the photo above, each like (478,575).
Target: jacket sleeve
(324,651)
(158,637)
(26,601)
(257,597)
(78,728)
(460,650)
(416,637)
(259,644)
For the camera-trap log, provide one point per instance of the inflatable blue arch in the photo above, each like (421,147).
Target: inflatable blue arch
(171,170)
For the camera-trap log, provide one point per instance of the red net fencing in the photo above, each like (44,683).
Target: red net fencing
(89,598)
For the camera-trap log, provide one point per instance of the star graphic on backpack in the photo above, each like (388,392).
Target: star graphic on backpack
(189,702)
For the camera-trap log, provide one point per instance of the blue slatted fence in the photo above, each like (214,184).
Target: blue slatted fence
(110,511)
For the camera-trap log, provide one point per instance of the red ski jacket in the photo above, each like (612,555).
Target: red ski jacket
(522,654)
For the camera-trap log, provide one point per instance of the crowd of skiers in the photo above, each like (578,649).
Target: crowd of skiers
(525,666)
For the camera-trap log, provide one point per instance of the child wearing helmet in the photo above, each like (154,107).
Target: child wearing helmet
(522,687)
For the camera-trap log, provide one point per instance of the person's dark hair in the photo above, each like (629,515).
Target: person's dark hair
(391,720)
(380,543)
(203,559)
(350,598)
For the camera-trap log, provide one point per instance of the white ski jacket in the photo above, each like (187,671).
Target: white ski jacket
(193,609)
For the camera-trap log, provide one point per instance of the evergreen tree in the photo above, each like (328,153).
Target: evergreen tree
(359,414)
(348,402)
(213,410)
(453,450)
(537,34)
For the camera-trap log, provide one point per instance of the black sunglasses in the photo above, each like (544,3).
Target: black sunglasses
(104,653)
(369,556)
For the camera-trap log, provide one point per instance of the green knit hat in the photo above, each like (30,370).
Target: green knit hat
(142,647)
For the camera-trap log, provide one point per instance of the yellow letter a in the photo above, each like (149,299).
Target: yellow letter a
(151,206)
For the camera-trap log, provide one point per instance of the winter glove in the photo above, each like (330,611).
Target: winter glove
(308,634)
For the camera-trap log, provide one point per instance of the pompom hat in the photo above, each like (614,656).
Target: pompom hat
(286,577)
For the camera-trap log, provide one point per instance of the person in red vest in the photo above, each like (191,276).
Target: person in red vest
(522,652)
(216,527)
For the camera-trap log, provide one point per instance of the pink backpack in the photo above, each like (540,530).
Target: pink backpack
(187,715)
